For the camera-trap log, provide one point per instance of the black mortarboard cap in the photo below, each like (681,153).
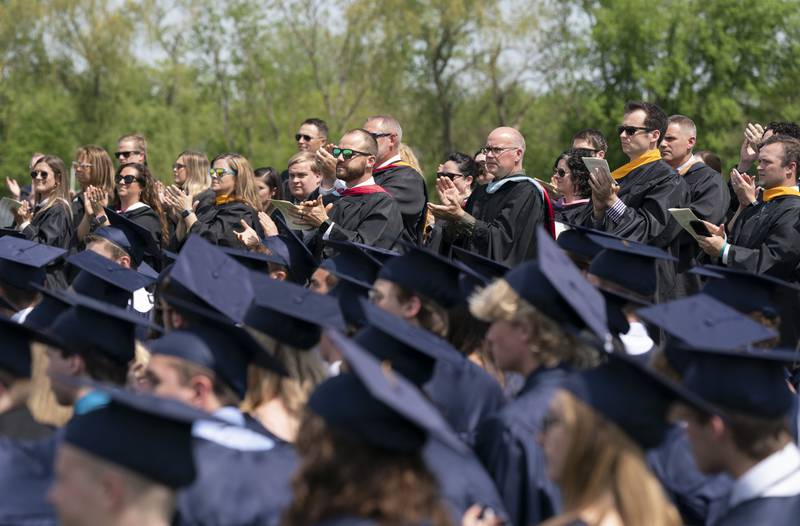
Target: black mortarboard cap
(141,240)
(23,262)
(376,405)
(105,280)
(349,293)
(489,269)
(51,306)
(120,239)
(578,245)
(16,355)
(13,232)
(381,254)
(257,261)
(148,435)
(351,260)
(628,264)
(291,314)
(302,262)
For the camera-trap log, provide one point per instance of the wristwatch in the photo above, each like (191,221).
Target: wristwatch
(99,221)
(186,213)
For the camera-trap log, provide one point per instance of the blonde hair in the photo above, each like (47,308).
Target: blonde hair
(407,155)
(304,157)
(605,471)
(102,174)
(197,178)
(60,194)
(245,187)
(551,344)
(139,140)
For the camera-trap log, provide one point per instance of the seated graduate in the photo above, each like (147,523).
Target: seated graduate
(106,281)
(190,178)
(415,354)
(571,179)
(365,212)
(93,167)
(128,453)
(537,312)
(23,266)
(236,200)
(49,221)
(597,426)
(424,288)
(304,177)
(744,432)
(360,448)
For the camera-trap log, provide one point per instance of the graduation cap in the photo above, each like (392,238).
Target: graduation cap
(352,261)
(750,381)
(140,239)
(93,325)
(381,254)
(16,355)
(218,345)
(146,434)
(374,404)
(628,264)
(424,272)
(301,262)
(349,293)
(204,275)
(104,279)
(489,269)
(410,350)
(23,262)
(52,304)
(256,261)
(577,243)
(555,286)
(289,313)
(629,394)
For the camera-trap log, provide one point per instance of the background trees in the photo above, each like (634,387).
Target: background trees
(241,74)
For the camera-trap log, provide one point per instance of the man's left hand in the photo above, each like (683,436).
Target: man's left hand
(712,244)
(604,192)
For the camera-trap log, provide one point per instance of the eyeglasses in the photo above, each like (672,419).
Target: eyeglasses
(127,154)
(631,130)
(127,179)
(559,173)
(496,151)
(346,153)
(36,174)
(82,166)
(448,175)
(177,166)
(219,173)
(378,135)
(303,136)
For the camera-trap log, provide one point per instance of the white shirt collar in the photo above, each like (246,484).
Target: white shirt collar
(369,181)
(395,159)
(778,475)
(136,206)
(233,435)
(20,316)
(636,340)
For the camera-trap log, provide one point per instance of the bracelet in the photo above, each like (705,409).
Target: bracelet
(722,250)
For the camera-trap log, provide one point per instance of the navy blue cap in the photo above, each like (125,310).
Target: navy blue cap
(23,262)
(219,346)
(555,286)
(702,321)
(374,404)
(205,275)
(426,273)
(577,244)
(615,313)
(118,237)
(140,239)
(628,264)
(93,325)
(105,280)
(16,355)
(349,293)
(412,351)
(51,306)
(381,254)
(487,268)
(629,394)
(352,261)
(291,314)
(253,260)
(143,433)
(748,292)
(752,382)
(302,262)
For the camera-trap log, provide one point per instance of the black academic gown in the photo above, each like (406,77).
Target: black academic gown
(52,226)
(465,394)
(18,423)
(218,223)
(765,239)
(238,487)
(648,191)
(708,199)
(78,209)
(408,188)
(507,445)
(505,222)
(26,474)
(571,214)
(772,511)
(372,219)
(697,496)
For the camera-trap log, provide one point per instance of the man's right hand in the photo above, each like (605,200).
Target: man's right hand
(749,150)
(744,186)
(326,162)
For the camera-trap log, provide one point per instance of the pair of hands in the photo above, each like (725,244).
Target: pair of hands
(94,200)
(177,200)
(744,186)
(450,199)
(712,244)
(326,162)
(248,236)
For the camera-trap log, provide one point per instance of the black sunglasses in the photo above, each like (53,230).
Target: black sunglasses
(631,130)
(36,174)
(127,154)
(448,175)
(346,153)
(560,172)
(127,179)
(378,135)
(303,136)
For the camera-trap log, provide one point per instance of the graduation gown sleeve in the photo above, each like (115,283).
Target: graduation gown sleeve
(371,219)
(408,189)
(51,226)
(218,224)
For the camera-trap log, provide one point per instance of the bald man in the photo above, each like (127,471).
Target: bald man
(365,212)
(397,177)
(500,218)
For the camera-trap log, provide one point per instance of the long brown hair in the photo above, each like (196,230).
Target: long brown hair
(245,188)
(60,194)
(102,175)
(197,178)
(149,195)
(605,471)
(342,476)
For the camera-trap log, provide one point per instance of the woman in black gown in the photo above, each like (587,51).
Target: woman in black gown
(49,220)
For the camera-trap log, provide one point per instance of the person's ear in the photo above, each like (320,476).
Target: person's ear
(469,179)
(279,275)
(412,307)
(124,261)
(692,142)
(202,388)
(370,162)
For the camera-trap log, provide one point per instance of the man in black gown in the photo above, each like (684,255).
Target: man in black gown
(500,219)
(366,212)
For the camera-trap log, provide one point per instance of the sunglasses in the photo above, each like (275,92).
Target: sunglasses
(36,174)
(303,136)
(346,153)
(219,173)
(448,175)
(127,154)
(559,173)
(177,166)
(127,179)
(378,135)
(631,130)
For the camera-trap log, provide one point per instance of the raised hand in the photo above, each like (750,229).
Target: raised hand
(13,187)
(267,224)
(749,149)
(248,235)
(744,186)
